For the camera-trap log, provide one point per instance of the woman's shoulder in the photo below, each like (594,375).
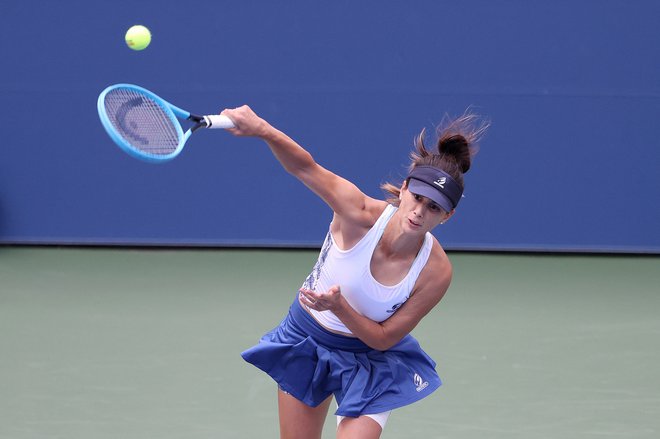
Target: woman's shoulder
(348,230)
(374,209)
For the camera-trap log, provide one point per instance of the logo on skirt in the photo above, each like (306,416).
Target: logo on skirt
(420,384)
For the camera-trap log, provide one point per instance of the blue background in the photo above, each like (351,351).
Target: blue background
(570,163)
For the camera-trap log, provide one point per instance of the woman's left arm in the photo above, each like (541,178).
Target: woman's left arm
(430,288)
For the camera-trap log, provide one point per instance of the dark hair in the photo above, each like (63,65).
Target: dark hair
(456,145)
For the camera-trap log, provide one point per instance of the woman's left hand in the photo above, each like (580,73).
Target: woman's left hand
(321,301)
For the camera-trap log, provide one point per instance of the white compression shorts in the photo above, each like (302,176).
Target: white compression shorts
(380,418)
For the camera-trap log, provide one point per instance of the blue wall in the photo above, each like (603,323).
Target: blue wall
(571,162)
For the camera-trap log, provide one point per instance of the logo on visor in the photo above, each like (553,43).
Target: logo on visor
(441,182)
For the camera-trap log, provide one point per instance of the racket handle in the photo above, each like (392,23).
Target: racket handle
(218,121)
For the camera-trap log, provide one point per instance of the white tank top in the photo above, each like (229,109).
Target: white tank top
(350,269)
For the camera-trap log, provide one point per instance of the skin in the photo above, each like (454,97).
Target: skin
(354,214)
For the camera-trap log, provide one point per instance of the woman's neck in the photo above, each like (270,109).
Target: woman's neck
(395,242)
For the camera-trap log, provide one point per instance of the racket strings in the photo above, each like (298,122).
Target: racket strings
(142,122)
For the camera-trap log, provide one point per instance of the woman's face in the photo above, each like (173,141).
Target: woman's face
(421,214)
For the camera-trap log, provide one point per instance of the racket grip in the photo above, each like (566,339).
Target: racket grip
(218,121)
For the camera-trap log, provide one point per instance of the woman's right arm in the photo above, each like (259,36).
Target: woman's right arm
(347,201)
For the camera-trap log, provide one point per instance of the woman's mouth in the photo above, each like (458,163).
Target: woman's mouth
(413,223)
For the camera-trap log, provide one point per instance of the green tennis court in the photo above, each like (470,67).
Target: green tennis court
(121,343)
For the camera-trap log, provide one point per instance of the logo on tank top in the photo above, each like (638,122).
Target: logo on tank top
(394,307)
(420,384)
(397,306)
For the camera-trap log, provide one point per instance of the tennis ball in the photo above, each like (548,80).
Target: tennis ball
(138,37)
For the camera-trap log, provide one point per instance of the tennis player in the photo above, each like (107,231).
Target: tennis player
(379,272)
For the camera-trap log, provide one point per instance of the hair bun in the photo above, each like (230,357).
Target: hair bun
(458,147)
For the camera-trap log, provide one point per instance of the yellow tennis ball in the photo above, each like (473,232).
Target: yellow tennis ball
(138,37)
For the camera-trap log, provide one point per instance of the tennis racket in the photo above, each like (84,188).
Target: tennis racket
(146,126)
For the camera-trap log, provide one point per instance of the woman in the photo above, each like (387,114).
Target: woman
(379,273)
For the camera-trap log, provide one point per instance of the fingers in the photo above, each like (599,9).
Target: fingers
(235,129)
(312,300)
(309,296)
(239,112)
(246,122)
(320,301)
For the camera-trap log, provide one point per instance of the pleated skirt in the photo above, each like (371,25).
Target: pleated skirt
(312,363)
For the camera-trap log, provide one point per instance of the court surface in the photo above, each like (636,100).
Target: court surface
(125,343)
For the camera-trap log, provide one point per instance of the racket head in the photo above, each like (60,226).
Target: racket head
(141,123)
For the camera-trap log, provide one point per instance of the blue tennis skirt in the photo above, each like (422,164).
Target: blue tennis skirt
(312,363)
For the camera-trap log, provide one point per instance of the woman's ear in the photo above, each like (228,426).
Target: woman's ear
(449,215)
(404,187)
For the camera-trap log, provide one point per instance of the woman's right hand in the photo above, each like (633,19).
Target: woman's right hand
(246,122)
